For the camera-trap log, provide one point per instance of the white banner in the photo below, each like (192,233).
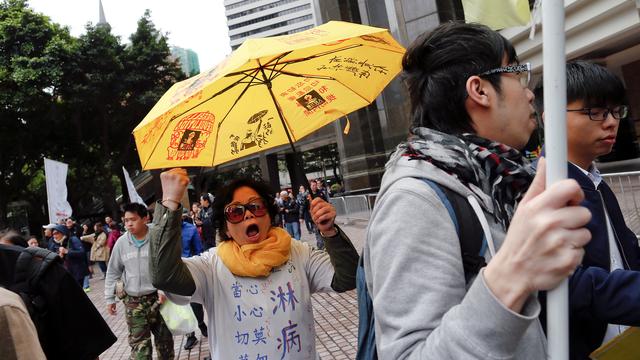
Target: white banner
(55,173)
(131,189)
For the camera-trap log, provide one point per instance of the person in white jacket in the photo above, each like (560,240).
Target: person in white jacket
(471,111)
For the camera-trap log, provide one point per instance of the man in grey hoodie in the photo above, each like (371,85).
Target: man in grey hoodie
(471,110)
(129,262)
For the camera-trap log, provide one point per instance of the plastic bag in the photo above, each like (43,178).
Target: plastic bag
(179,318)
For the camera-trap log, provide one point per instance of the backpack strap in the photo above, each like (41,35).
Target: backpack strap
(473,242)
(32,264)
(366,330)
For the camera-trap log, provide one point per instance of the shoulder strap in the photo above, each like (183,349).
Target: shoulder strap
(32,263)
(472,244)
(470,233)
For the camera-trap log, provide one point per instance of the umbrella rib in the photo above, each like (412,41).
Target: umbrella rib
(285,123)
(184,112)
(270,66)
(321,77)
(276,59)
(239,81)
(329,52)
(215,146)
(324,78)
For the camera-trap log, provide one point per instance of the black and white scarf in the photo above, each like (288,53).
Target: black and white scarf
(497,170)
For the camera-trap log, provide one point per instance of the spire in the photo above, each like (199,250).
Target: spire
(103,19)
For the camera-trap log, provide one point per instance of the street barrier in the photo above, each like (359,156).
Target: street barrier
(626,185)
(353,207)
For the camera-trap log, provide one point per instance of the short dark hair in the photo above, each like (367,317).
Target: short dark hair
(225,196)
(207,196)
(437,66)
(137,208)
(595,85)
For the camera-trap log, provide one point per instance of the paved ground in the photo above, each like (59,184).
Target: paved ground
(336,316)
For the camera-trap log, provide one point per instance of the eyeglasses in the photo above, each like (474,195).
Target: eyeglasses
(234,213)
(601,113)
(523,71)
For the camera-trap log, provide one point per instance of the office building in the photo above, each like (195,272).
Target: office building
(188,60)
(262,18)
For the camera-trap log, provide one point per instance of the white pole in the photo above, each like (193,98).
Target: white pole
(555,134)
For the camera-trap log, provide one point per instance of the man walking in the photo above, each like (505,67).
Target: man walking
(604,294)
(130,262)
(303,202)
(291,212)
(205,221)
(314,192)
(471,111)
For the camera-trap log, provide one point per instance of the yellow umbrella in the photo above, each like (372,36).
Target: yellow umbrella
(267,93)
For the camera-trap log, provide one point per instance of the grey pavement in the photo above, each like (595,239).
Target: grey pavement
(336,315)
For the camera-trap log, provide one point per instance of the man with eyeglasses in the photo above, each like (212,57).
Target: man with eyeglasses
(604,293)
(471,112)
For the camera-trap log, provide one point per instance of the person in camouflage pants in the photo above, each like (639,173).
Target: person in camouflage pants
(143,318)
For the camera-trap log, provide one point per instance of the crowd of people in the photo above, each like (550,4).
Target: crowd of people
(422,293)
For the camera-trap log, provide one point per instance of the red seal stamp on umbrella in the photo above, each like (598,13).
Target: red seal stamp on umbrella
(190,136)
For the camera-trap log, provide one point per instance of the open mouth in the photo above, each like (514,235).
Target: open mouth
(252,230)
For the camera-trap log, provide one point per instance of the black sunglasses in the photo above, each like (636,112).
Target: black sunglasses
(602,113)
(234,213)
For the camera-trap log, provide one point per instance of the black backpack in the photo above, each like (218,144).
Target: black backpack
(31,265)
(472,244)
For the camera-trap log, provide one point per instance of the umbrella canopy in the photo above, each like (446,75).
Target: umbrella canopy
(267,93)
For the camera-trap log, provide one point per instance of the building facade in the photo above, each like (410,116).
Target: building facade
(262,18)
(188,60)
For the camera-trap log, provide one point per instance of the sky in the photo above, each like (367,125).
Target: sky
(199,25)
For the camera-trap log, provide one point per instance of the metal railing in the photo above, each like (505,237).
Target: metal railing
(353,207)
(626,187)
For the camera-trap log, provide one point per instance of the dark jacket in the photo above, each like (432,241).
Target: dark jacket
(290,211)
(191,243)
(76,259)
(208,229)
(598,297)
(70,327)
(303,202)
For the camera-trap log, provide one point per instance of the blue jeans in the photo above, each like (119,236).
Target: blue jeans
(293,228)
(308,222)
(85,281)
(319,239)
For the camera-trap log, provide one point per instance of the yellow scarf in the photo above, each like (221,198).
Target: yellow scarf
(256,260)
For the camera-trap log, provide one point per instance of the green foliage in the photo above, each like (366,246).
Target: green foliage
(319,159)
(74,100)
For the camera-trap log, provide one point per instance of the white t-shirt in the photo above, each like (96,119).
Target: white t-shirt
(261,318)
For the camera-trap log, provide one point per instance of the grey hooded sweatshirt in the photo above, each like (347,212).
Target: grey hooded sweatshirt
(131,264)
(423,308)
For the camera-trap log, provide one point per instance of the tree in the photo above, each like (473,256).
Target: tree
(74,100)
(317,159)
(124,83)
(34,52)
(150,72)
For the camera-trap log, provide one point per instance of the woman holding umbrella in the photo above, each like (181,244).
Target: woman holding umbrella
(256,285)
